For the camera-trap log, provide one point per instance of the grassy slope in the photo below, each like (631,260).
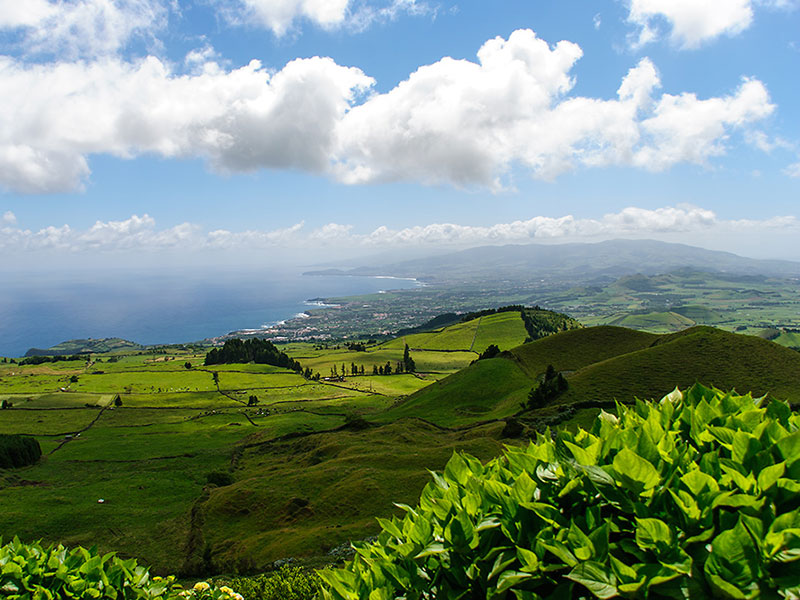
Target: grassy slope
(347,479)
(704,354)
(485,390)
(603,363)
(505,330)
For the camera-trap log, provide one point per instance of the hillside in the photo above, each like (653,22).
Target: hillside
(604,363)
(85,346)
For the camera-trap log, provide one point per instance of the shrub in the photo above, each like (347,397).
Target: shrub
(18,451)
(696,496)
(219,478)
(287,583)
(33,571)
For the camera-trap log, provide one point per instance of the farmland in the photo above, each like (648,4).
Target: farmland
(306,464)
(142,431)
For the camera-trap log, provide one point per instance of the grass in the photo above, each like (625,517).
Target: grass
(701,354)
(456,337)
(573,350)
(489,389)
(505,330)
(326,489)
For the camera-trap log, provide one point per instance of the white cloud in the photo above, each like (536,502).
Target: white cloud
(454,121)
(140,234)
(73,28)
(793,170)
(691,22)
(281,16)
(468,123)
(686,129)
(9,218)
(239,120)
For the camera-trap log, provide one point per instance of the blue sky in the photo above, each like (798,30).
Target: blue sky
(144,128)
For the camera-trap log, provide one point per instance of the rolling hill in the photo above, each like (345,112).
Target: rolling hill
(606,363)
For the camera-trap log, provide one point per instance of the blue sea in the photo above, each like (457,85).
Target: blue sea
(169,307)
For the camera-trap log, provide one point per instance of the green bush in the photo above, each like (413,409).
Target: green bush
(696,496)
(287,583)
(18,451)
(219,478)
(36,572)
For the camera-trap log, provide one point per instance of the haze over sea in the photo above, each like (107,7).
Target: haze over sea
(169,307)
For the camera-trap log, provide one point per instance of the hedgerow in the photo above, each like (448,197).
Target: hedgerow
(18,451)
(695,496)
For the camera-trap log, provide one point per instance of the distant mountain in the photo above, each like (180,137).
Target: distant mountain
(85,346)
(614,258)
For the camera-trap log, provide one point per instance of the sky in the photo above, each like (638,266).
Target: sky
(253,131)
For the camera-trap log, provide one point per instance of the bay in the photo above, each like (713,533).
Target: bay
(160,308)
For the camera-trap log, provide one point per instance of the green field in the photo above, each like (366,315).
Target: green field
(142,431)
(312,462)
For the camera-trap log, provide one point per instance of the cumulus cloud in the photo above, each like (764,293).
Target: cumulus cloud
(454,121)
(138,234)
(281,16)
(239,120)
(76,28)
(466,123)
(9,218)
(691,22)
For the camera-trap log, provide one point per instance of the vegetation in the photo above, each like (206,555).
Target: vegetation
(551,387)
(305,463)
(286,583)
(692,497)
(35,571)
(39,359)
(255,350)
(18,451)
(604,363)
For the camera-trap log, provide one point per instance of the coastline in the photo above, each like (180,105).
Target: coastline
(194,311)
(292,328)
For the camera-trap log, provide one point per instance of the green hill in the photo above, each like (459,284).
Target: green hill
(661,322)
(94,346)
(606,363)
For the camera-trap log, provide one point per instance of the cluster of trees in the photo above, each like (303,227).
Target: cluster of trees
(550,388)
(540,323)
(8,360)
(253,350)
(353,370)
(38,360)
(18,451)
(406,365)
(491,351)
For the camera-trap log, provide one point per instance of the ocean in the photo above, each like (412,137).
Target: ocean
(169,307)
